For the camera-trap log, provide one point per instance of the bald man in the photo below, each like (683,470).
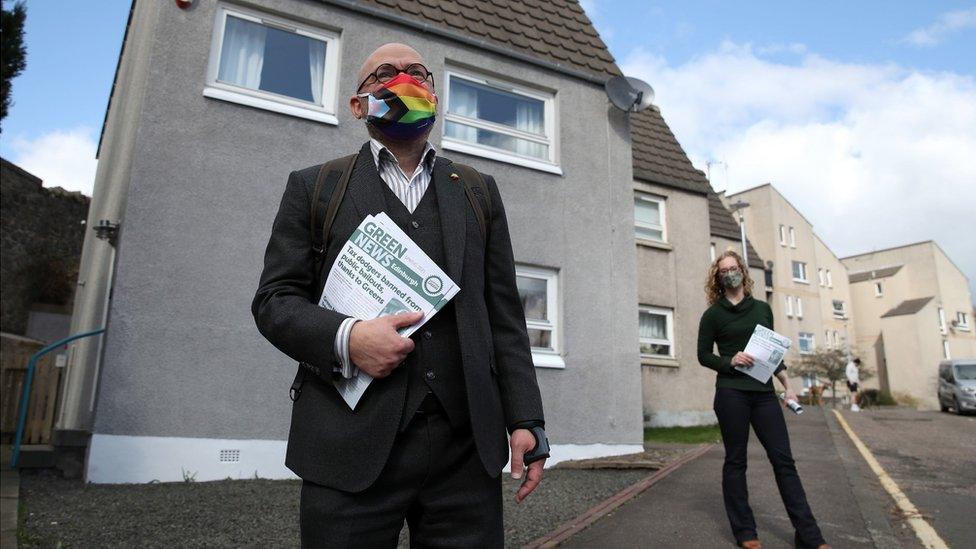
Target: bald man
(427,442)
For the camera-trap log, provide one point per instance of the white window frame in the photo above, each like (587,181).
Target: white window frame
(839,313)
(669,314)
(945,349)
(878,289)
(813,343)
(782,235)
(836,340)
(962,321)
(827,339)
(326,113)
(789,306)
(830,281)
(799,307)
(803,269)
(550,111)
(942,322)
(820,275)
(543,358)
(711,251)
(662,210)
(792,238)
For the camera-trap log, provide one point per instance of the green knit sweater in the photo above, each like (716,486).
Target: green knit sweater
(730,327)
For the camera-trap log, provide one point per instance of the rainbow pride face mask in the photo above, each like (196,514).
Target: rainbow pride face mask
(402,109)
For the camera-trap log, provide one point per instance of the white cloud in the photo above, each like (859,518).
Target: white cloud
(873,155)
(62,158)
(946,24)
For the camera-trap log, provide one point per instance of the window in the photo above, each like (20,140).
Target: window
(945,349)
(789,306)
(501,121)
(792,238)
(649,217)
(656,332)
(273,64)
(827,339)
(799,271)
(840,311)
(799,308)
(809,380)
(782,235)
(805,343)
(878,290)
(836,340)
(820,275)
(711,251)
(962,321)
(538,290)
(830,282)
(942,321)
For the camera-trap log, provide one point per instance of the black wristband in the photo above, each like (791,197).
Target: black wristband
(541,449)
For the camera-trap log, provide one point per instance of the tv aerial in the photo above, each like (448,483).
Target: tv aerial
(629,94)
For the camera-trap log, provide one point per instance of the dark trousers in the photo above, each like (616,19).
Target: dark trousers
(434,479)
(736,410)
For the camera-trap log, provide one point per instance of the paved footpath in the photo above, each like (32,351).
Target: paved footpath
(685,509)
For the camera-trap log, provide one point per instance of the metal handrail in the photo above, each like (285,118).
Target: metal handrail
(25,397)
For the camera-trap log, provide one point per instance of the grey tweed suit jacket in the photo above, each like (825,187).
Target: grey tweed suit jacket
(328,443)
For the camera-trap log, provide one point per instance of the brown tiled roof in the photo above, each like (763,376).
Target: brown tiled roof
(908,307)
(659,158)
(875,273)
(722,224)
(556,30)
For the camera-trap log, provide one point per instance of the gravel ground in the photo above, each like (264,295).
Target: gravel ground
(253,513)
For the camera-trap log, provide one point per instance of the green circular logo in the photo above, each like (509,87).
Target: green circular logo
(433,285)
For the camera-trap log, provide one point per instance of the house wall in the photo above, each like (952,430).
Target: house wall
(677,391)
(767,210)
(836,288)
(926,272)
(867,310)
(183,360)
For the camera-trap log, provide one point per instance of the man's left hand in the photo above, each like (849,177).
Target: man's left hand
(523,441)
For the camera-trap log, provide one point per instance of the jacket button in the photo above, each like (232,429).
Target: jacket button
(415,224)
(428,335)
(430,375)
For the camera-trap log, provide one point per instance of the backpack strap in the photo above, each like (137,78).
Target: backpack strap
(478,197)
(334,175)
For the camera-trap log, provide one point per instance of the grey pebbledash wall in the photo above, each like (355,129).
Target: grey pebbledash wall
(182,356)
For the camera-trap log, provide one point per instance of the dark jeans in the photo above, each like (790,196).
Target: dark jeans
(434,479)
(736,410)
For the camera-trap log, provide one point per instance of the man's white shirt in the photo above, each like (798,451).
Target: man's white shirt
(410,190)
(852,373)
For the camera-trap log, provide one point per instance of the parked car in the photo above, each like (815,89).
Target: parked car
(957,385)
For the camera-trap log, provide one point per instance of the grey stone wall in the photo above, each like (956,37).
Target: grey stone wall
(42,233)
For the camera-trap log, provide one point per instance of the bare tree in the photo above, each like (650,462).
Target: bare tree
(829,365)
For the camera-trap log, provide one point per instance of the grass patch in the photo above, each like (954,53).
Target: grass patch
(686,435)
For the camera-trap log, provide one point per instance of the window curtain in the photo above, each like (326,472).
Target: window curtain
(653,327)
(242,54)
(464,101)
(316,68)
(529,118)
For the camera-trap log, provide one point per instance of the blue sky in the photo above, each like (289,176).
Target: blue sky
(861,113)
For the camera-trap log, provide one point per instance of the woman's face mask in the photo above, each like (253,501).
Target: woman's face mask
(402,109)
(732,279)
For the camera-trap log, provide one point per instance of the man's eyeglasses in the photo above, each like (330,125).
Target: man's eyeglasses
(386,72)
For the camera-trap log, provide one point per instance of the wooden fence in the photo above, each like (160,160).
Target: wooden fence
(15,354)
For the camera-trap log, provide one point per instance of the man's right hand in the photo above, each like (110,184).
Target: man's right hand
(376,348)
(742,359)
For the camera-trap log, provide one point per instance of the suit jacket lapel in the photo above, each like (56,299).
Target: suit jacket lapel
(365,185)
(452,206)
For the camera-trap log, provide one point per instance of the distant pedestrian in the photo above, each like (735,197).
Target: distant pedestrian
(854,383)
(741,401)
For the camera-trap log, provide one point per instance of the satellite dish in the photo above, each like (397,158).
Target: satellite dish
(629,94)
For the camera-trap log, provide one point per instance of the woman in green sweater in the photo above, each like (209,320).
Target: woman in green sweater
(741,400)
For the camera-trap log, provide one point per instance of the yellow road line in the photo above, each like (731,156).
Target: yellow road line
(926,534)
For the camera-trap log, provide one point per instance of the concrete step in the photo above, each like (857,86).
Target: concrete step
(36,456)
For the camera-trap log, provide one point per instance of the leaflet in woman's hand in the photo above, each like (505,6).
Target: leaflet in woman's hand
(381,271)
(767,349)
